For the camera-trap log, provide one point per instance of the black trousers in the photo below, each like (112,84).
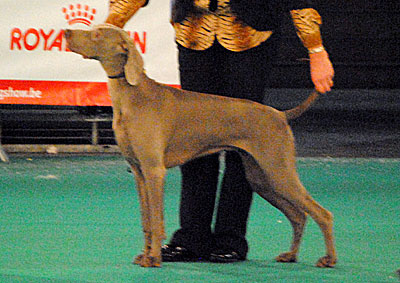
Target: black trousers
(234,74)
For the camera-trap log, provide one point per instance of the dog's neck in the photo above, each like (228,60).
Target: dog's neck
(119,76)
(114,67)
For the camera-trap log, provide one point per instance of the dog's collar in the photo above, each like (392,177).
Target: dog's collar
(122,75)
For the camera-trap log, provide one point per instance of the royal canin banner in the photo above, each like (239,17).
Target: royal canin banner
(37,68)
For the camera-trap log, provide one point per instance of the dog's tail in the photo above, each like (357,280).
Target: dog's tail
(303,107)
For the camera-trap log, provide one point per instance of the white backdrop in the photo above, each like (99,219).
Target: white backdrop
(34,61)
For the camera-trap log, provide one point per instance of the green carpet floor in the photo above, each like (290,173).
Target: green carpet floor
(76,219)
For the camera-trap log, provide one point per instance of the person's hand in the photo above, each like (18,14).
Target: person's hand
(321,71)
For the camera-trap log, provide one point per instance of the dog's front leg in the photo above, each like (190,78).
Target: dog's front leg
(153,186)
(144,211)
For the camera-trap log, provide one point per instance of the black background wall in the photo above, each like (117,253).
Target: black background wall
(361,116)
(362,38)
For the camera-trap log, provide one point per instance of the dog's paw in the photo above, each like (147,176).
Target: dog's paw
(326,261)
(147,261)
(286,257)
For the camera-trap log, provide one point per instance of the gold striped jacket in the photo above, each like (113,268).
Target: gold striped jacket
(200,32)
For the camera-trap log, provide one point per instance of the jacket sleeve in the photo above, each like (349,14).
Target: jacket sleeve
(120,11)
(307,23)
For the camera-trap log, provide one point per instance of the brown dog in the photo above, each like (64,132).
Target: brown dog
(159,127)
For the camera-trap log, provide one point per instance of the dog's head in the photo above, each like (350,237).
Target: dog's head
(110,45)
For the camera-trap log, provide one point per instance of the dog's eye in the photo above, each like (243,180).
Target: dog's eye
(96,35)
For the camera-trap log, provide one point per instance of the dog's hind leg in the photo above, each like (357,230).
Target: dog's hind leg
(287,184)
(297,217)
(279,169)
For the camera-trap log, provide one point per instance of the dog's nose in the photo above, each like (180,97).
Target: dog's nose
(67,33)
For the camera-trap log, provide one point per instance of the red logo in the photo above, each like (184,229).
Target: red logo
(79,14)
(52,39)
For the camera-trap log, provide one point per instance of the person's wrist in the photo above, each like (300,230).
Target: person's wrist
(316,50)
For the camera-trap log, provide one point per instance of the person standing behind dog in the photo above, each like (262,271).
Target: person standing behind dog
(226,47)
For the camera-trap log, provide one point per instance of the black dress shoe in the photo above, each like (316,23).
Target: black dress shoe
(171,253)
(224,256)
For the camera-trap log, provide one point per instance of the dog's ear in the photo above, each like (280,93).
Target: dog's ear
(134,63)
